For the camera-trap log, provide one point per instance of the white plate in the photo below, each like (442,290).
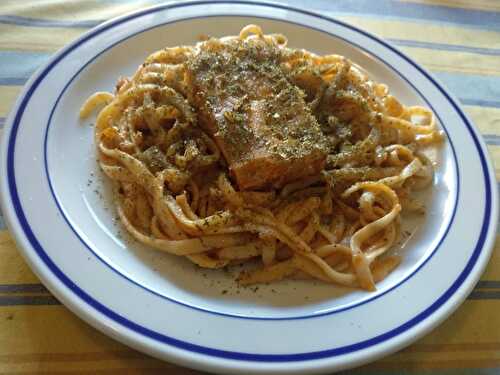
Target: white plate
(164,306)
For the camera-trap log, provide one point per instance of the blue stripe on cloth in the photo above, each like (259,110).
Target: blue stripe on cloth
(480,103)
(446,47)
(485,294)
(22,288)
(492,139)
(473,89)
(38,22)
(16,66)
(2,222)
(13,81)
(28,301)
(381,9)
(488,284)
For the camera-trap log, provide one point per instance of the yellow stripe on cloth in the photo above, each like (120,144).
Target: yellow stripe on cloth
(19,38)
(495,157)
(488,5)
(50,339)
(8,96)
(456,62)
(13,268)
(485,118)
(66,10)
(426,32)
(465,340)
(492,271)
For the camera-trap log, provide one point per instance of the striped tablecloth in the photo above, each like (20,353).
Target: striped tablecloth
(458,40)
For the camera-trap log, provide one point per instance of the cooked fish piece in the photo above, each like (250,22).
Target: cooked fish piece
(259,120)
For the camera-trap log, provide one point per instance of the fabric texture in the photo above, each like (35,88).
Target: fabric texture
(457,40)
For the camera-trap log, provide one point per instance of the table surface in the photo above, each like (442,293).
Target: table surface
(457,40)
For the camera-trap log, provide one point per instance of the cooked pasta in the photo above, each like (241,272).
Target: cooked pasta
(242,149)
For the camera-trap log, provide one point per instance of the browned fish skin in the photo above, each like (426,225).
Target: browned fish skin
(259,120)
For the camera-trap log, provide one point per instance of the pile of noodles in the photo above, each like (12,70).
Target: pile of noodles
(174,192)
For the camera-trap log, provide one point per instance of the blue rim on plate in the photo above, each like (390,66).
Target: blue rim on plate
(116,317)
